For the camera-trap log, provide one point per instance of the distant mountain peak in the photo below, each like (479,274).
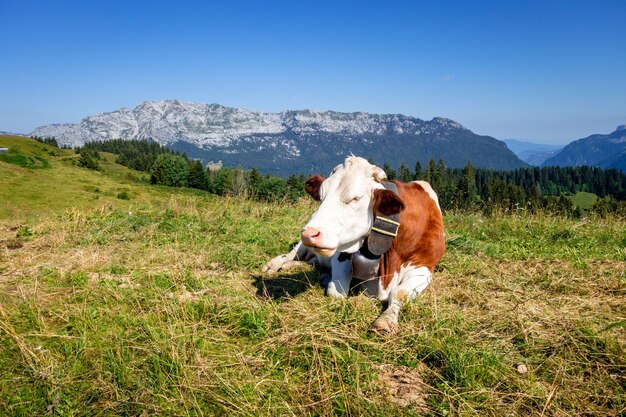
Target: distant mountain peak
(601,150)
(448,122)
(289,141)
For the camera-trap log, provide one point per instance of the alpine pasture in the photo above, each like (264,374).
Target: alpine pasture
(118,297)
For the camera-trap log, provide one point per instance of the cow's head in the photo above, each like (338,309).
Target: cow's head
(350,198)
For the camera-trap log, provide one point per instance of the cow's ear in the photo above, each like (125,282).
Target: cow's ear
(387,203)
(312,186)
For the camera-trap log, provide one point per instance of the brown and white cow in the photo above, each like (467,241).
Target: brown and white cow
(351,199)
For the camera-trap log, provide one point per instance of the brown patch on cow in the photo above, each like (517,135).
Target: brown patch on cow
(386,202)
(420,240)
(312,186)
(404,387)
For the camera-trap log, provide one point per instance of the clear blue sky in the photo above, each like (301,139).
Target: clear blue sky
(550,71)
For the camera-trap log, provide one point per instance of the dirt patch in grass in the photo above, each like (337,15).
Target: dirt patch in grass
(11,244)
(404,386)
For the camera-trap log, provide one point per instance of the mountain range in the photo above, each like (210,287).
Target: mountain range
(291,141)
(601,150)
(4,133)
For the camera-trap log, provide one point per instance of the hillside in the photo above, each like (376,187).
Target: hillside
(43,180)
(604,151)
(291,141)
(155,306)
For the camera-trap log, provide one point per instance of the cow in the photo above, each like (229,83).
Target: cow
(387,236)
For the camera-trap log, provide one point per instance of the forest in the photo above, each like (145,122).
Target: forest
(468,188)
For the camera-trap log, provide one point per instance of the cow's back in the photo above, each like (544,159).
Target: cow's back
(420,239)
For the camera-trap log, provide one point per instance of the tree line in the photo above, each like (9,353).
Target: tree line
(136,154)
(467,188)
(531,188)
(175,169)
(46,140)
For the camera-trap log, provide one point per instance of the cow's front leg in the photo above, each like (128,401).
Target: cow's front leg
(411,281)
(341,275)
(298,256)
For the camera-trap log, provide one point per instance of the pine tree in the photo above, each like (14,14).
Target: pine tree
(404,173)
(391,174)
(254,181)
(197,176)
(467,195)
(440,184)
(439,180)
(430,171)
(418,174)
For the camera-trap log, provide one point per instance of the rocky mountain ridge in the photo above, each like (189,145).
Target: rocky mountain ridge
(289,141)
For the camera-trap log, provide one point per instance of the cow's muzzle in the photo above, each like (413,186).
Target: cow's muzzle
(313,238)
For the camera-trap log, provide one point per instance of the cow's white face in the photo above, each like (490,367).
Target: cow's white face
(349,197)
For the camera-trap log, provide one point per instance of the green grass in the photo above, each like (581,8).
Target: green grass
(29,192)
(24,160)
(583,200)
(156,306)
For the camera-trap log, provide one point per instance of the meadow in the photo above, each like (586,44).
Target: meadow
(152,302)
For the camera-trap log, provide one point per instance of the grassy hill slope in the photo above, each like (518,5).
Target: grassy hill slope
(155,306)
(50,182)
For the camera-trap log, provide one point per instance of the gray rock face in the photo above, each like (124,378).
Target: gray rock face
(290,141)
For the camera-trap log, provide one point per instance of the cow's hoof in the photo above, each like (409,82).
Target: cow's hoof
(332,292)
(274,265)
(384,325)
(293,265)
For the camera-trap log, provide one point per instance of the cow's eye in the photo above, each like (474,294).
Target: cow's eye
(354,199)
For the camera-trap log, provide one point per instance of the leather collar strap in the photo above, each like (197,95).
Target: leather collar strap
(366,262)
(384,229)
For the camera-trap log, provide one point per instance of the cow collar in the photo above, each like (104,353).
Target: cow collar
(366,262)
(384,229)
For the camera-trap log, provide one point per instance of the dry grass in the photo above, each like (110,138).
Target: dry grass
(156,306)
(163,311)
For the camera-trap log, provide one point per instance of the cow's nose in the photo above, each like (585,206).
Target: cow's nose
(311,236)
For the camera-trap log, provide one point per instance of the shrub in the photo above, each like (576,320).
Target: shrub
(88,159)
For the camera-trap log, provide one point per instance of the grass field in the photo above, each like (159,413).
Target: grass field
(583,200)
(156,306)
